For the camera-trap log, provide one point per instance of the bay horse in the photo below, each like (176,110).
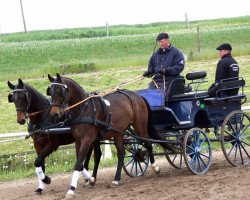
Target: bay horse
(32,104)
(88,114)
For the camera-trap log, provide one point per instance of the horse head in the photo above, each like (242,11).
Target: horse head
(60,96)
(21,98)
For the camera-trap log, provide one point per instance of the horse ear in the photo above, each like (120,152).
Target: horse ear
(51,79)
(11,86)
(20,83)
(58,77)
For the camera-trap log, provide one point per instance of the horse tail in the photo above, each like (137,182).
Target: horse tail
(152,132)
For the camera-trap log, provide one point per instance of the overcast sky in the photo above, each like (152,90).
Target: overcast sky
(55,14)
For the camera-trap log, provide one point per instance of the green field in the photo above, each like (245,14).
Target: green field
(97,63)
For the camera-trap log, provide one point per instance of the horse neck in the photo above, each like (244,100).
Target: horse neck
(77,95)
(38,102)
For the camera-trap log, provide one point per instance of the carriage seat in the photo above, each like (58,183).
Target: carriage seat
(196,75)
(228,89)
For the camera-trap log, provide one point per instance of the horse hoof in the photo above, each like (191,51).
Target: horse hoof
(114,184)
(39,191)
(92,181)
(47,180)
(156,168)
(70,194)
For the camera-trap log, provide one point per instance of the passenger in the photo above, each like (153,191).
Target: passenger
(166,61)
(227,67)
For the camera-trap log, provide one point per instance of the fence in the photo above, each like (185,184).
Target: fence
(21,136)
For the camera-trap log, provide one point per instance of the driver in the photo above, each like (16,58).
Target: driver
(166,61)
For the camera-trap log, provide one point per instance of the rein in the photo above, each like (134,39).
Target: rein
(80,102)
(37,112)
(108,91)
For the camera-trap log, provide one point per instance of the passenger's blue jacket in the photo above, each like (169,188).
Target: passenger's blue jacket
(170,59)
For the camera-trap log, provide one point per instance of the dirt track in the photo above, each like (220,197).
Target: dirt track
(222,181)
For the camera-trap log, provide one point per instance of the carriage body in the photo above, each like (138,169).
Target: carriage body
(187,117)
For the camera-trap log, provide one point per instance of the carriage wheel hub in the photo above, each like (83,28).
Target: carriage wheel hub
(197,150)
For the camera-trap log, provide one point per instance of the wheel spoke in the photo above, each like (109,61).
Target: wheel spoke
(231,149)
(245,143)
(231,134)
(140,166)
(244,129)
(245,150)
(136,170)
(202,161)
(199,164)
(129,162)
(242,160)
(235,155)
(232,127)
(234,140)
(132,167)
(195,165)
(205,148)
(198,139)
(205,156)
(203,141)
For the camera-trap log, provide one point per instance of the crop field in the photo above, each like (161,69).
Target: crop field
(98,63)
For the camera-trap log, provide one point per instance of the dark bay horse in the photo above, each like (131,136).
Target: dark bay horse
(30,103)
(87,114)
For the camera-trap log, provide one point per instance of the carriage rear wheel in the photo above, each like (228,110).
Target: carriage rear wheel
(175,159)
(136,158)
(235,138)
(197,151)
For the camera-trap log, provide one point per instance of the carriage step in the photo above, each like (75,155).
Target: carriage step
(185,122)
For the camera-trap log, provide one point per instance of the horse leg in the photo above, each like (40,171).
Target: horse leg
(97,158)
(40,167)
(88,179)
(120,154)
(83,150)
(149,147)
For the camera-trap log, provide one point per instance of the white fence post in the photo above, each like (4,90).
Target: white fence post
(107,151)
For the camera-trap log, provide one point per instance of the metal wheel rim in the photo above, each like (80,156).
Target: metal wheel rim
(132,167)
(235,138)
(197,151)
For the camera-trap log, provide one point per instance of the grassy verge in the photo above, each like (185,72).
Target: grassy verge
(37,58)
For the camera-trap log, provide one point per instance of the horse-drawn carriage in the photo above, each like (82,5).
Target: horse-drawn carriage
(178,119)
(185,119)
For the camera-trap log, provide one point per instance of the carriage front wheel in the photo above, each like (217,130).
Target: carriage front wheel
(235,138)
(136,158)
(197,151)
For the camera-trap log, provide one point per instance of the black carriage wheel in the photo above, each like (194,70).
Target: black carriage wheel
(235,138)
(176,159)
(136,159)
(197,151)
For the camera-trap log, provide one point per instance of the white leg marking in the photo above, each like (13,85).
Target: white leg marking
(86,174)
(75,178)
(155,168)
(39,172)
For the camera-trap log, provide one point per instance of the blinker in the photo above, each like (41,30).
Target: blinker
(10,98)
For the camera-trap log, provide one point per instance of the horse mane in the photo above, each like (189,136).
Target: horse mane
(35,92)
(77,84)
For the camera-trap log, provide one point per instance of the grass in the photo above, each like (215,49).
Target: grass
(35,58)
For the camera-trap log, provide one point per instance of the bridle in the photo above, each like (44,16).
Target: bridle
(13,98)
(60,90)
